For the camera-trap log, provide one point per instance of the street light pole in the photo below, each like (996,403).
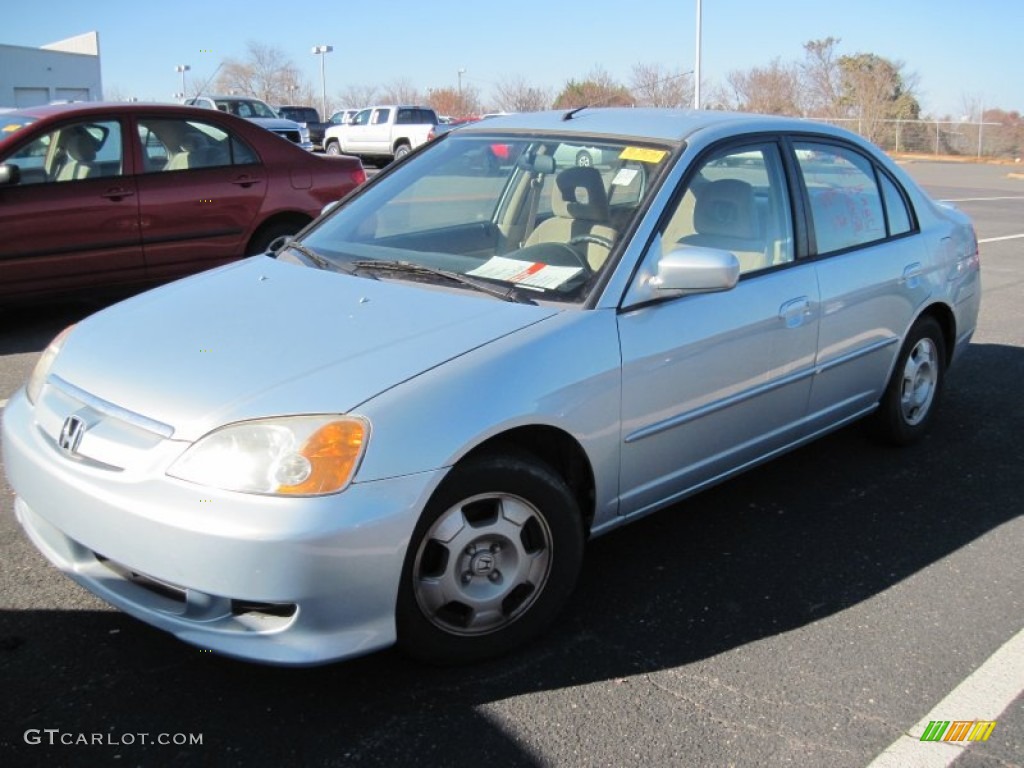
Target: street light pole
(322,51)
(182,69)
(461,73)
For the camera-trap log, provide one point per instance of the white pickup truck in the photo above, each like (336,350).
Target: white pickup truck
(384,132)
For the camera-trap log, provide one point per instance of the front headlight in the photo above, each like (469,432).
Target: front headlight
(293,455)
(34,387)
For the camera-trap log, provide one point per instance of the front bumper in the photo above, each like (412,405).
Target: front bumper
(284,581)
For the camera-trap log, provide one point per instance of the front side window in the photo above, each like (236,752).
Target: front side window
(362,117)
(498,210)
(846,204)
(736,201)
(83,150)
(173,144)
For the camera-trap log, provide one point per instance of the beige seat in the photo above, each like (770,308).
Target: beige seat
(725,217)
(79,153)
(580,208)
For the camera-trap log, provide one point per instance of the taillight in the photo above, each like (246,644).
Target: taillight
(358,176)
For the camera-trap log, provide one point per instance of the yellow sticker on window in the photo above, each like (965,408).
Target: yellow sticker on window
(643,155)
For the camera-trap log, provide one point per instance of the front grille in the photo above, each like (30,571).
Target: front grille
(292,136)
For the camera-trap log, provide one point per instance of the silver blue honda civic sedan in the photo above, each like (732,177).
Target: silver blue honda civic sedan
(403,424)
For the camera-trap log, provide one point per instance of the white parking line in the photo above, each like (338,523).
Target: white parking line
(984,695)
(997,239)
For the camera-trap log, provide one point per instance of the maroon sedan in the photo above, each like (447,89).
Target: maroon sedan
(96,196)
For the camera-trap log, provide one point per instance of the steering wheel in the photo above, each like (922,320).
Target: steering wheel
(595,239)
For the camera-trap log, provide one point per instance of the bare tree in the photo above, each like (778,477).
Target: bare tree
(821,78)
(656,86)
(514,94)
(455,103)
(771,90)
(400,91)
(358,96)
(598,89)
(265,72)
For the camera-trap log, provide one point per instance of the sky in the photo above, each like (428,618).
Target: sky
(959,50)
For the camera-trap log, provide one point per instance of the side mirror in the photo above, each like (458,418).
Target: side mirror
(9,174)
(694,269)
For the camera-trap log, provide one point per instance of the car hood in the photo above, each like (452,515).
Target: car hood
(262,337)
(274,123)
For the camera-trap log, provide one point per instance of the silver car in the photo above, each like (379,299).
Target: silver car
(404,425)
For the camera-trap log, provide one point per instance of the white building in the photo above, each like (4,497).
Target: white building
(67,70)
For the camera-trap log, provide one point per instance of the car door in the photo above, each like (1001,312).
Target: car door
(378,132)
(200,190)
(355,136)
(871,272)
(714,382)
(72,220)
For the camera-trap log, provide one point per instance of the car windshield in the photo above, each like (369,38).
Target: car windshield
(246,108)
(538,217)
(12,122)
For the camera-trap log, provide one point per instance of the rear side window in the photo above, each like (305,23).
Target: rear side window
(852,202)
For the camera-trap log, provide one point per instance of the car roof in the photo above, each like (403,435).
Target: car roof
(87,108)
(673,125)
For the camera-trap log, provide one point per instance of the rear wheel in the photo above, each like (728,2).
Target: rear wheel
(908,406)
(401,151)
(261,241)
(583,159)
(491,562)
(333,148)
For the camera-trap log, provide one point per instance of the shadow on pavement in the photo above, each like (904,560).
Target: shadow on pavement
(806,536)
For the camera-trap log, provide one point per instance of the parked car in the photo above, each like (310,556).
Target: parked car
(308,118)
(406,425)
(113,196)
(381,133)
(259,112)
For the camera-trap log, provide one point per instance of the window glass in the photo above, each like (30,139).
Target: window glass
(362,118)
(896,208)
(170,144)
(846,207)
(381,116)
(84,150)
(737,202)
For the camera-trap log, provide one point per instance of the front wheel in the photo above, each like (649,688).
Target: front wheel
(491,562)
(908,406)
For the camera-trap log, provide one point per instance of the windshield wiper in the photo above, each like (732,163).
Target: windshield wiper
(317,259)
(411,268)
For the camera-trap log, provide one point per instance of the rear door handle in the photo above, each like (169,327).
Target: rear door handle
(795,311)
(245,181)
(117,193)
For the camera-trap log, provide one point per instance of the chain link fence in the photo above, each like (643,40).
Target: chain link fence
(983,140)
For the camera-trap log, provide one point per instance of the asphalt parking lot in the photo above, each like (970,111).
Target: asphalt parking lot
(806,614)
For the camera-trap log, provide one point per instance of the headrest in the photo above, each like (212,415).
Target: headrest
(580,195)
(81,146)
(726,208)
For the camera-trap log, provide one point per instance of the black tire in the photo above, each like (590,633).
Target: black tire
(264,237)
(907,408)
(402,150)
(491,562)
(583,159)
(333,148)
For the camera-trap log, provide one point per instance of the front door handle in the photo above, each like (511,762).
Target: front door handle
(795,311)
(245,181)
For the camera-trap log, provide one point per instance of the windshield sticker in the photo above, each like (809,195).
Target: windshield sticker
(624,177)
(643,155)
(528,273)
(11,127)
